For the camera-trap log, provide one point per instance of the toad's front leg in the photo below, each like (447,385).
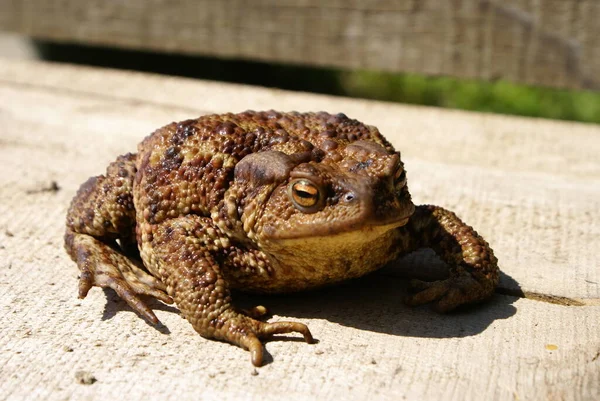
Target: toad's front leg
(186,251)
(473,267)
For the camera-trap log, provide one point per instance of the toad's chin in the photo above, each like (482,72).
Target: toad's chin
(307,262)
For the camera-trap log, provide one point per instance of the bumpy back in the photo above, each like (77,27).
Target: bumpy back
(187,167)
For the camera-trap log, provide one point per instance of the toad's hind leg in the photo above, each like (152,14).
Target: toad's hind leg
(102,212)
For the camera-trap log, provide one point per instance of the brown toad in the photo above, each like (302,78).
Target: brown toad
(264,202)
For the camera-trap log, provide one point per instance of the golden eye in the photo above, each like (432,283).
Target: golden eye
(304,195)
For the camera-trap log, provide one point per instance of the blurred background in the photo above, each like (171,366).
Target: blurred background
(538,58)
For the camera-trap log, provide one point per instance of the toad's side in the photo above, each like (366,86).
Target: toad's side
(263,202)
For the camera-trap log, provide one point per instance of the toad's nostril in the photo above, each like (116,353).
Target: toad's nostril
(349,197)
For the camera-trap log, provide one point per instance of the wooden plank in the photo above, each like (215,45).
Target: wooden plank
(544,42)
(531,192)
(498,172)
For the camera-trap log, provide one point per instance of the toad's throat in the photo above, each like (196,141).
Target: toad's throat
(364,235)
(313,261)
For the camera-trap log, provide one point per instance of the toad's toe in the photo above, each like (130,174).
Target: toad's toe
(451,293)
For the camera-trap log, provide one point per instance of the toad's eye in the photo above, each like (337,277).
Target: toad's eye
(400,177)
(304,195)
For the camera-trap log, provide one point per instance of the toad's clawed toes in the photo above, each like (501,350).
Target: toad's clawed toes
(129,293)
(103,266)
(256,312)
(254,345)
(269,329)
(262,331)
(450,293)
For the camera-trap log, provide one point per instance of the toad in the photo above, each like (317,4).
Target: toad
(263,202)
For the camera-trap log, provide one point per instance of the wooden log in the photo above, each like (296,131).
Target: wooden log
(539,42)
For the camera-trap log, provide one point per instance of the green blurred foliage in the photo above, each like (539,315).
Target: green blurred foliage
(496,97)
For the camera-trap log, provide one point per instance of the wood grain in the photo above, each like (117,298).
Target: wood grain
(539,42)
(527,186)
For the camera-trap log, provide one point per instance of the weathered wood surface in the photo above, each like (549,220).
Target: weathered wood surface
(542,42)
(530,186)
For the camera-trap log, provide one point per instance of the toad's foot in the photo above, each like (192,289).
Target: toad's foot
(462,288)
(473,267)
(248,333)
(103,266)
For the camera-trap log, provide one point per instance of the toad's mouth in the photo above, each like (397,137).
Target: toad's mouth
(369,227)
(398,223)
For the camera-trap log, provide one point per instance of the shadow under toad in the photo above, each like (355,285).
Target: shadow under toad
(376,303)
(372,303)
